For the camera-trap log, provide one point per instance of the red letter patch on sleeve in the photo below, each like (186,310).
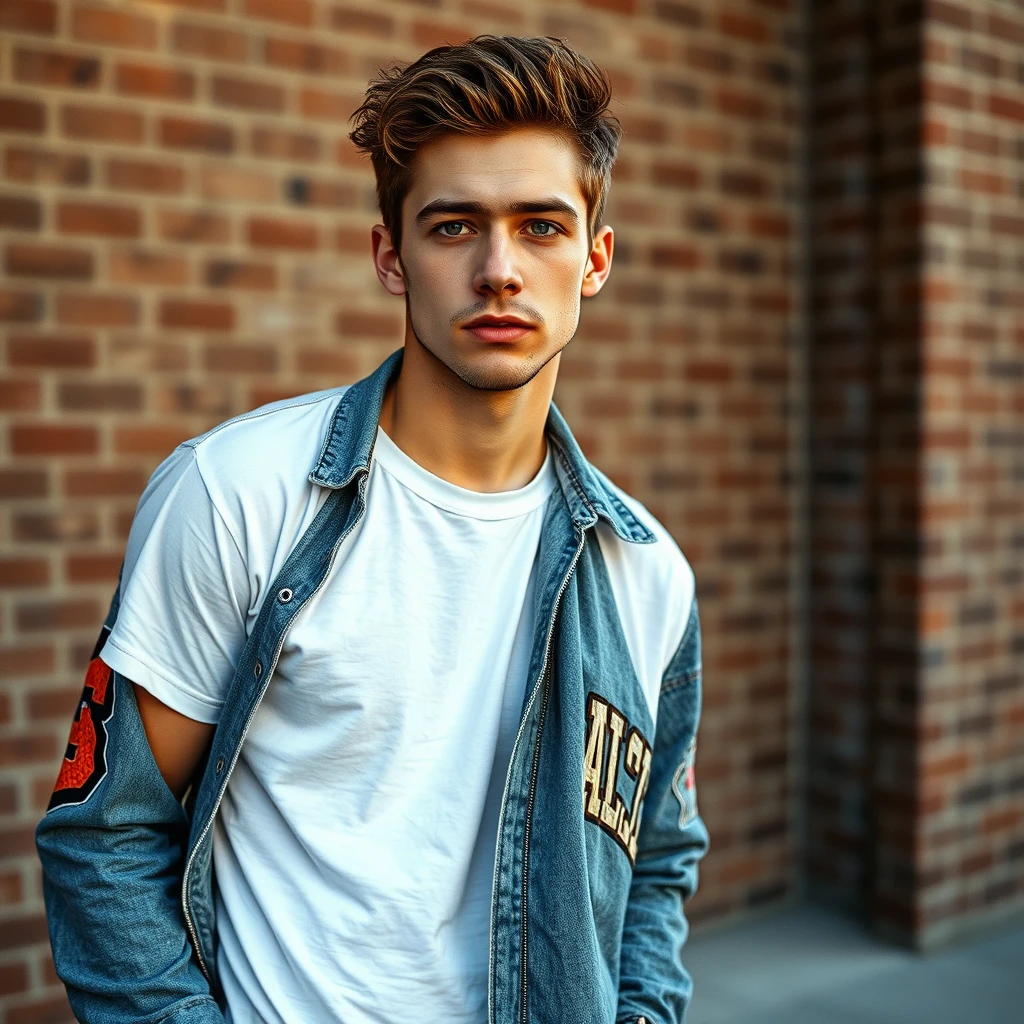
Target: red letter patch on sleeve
(85,760)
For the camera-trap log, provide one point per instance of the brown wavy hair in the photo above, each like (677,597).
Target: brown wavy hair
(485,85)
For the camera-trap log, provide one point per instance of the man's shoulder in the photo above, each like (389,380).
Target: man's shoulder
(257,463)
(663,553)
(301,420)
(653,576)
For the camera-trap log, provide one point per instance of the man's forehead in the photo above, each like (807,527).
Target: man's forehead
(498,171)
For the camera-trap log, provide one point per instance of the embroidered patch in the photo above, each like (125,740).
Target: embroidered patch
(684,785)
(611,741)
(85,760)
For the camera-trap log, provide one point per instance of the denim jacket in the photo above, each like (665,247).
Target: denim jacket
(599,837)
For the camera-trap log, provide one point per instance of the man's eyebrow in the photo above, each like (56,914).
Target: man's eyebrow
(549,204)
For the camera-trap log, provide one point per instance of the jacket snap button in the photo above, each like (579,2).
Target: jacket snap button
(220,765)
(257,669)
(284,595)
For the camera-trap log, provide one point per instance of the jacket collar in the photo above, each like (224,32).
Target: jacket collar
(348,447)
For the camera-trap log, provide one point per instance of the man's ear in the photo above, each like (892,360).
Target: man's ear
(386,261)
(599,263)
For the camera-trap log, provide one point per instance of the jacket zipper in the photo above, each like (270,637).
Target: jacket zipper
(529,806)
(185,894)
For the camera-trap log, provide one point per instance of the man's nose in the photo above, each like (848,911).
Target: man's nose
(497,273)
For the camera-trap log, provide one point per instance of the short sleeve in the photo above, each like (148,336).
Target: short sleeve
(185,591)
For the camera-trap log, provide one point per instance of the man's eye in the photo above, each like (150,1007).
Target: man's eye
(457,225)
(547,229)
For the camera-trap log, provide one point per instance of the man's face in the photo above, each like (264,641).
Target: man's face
(494,253)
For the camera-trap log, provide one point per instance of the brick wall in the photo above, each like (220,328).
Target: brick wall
(185,236)
(970,837)
(917,741)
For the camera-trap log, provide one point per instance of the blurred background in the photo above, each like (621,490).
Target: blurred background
(808,362)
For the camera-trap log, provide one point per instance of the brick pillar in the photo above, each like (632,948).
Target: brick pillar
(917,783)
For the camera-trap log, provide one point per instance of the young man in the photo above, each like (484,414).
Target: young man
(393,716)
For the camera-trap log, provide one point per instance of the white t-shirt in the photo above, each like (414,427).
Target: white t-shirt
(354,849)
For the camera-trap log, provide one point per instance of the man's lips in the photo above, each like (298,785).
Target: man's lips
(499,328)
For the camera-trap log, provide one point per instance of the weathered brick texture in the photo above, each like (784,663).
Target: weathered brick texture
(186,235)
(917,732)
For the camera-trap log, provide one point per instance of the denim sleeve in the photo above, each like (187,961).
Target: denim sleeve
(653,983)
(112,846)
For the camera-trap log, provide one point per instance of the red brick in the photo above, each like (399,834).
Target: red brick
(675,175)
(50,350)
(24,483)
(281,234)
(99,396)
(145,176)
(20,115)
(618,6)
(1006,29)
(337,365)
(24,572)
(27,661)
(29,259)
(143,440)
(304,56)
(115,27)
(50,439)
(196,315)
(280,144)
(84,218)
(56,527)
(29,16)
(1006,107)
(209,41)
(740,103)
(948,14)
(46,167)
(742,26)
(334,194)
(91,309)
(13,979)
(236,358)
(43,616)
(354,324)
(101,482)
(92,568)
(203,226)
(213,400)
(19,395)
(44,67)
(56,705)
(226,273)
(233,184)
(159,82)
(38,748)
(291,12)
(329,106)
(101,124)
(186,133)
(20,306)
(427,34)
(347,20)
(20,212)
(675,256)
(352,240)
(143,266)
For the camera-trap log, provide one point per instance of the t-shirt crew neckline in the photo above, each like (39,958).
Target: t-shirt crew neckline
(461,500)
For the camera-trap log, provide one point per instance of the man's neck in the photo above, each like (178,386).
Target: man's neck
(482,440)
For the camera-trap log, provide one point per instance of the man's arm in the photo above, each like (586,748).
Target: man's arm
(653,984)
(112,852)
(177,742)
